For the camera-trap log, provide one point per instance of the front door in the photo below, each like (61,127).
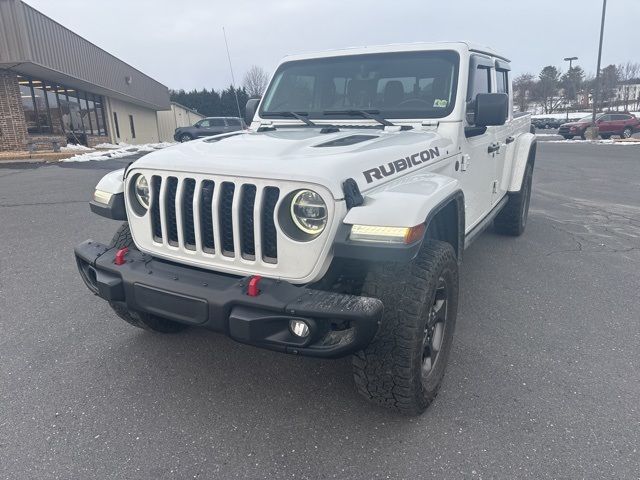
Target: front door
(478,164)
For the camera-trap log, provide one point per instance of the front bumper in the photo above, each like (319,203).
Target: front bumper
(340,324)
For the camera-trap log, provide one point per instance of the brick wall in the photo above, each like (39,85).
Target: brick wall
(13,127)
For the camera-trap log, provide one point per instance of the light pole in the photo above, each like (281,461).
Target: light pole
(593,134)
(570,60)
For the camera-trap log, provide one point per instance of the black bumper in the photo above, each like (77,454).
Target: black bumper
(340,324)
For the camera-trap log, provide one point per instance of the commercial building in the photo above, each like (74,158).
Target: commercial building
(56,87)
(178,116)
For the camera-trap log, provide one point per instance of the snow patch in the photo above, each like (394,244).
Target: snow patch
(120,152)
(75,148)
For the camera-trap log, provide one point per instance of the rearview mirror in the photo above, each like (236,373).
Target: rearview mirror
(250,110)
(491,109)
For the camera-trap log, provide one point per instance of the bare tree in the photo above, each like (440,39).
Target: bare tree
(522,88)
(255,81)
(628,75)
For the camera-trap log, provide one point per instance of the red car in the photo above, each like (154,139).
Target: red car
(623,124)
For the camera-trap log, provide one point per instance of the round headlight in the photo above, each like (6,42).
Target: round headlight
(309,212)
(141,189)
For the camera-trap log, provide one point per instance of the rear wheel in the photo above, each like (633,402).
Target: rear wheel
(403,367)
(626,133)
(122,239)
(512,220)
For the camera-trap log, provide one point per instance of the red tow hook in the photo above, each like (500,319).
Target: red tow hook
(252,288)
(119,260)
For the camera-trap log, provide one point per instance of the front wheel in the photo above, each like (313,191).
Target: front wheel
(185,137)
(146,321)
(403,367)
(626,133)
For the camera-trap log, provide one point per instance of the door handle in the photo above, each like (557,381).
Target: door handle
(509,140)
(494,147)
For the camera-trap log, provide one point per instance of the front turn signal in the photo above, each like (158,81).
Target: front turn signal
(394,235)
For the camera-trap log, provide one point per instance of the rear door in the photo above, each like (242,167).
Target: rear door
(217,126)
(504,135)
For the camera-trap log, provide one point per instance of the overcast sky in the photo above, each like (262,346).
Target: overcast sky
(180,43)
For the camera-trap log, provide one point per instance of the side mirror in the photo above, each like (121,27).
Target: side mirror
(491,109)
(197,125)
(250,110)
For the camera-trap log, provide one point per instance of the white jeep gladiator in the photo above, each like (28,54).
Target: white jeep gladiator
(337,223)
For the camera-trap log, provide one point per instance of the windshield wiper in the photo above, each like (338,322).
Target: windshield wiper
(372,114)
(302,116)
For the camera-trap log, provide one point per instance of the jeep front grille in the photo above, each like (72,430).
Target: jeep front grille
(235,220)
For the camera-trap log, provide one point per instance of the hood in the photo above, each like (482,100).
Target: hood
(304,154)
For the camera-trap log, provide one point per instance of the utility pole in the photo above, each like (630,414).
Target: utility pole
(570,60)
(596,91)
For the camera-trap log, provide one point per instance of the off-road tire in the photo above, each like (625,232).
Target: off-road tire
(390,371)
(512,220)
(153,323)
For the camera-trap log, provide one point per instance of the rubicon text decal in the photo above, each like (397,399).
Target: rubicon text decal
(391,168)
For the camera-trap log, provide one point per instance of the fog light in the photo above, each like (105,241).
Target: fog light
(299,328)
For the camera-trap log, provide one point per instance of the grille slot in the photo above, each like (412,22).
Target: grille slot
(156,226)
(214,218)
(206,216)
(226,218)
(170,208)
(247,230)
(269,234)
(188,226)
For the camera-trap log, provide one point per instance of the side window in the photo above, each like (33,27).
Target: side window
(502,81)
(217,122)
(233,122)
(605,118)
(481,81)
(203,123)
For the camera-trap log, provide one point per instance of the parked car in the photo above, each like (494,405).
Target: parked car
(207,127)
(342,230)
(547,122)
(623,124)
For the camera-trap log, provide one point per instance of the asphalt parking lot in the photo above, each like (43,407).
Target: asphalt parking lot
(543,381)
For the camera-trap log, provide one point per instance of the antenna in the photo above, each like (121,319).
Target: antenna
(233,80)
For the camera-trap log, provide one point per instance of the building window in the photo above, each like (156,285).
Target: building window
(100,116)
(115,124)
(28,105)
(86,117)
(133,128)
(56,109)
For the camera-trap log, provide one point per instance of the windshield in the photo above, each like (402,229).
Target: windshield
(397,85)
